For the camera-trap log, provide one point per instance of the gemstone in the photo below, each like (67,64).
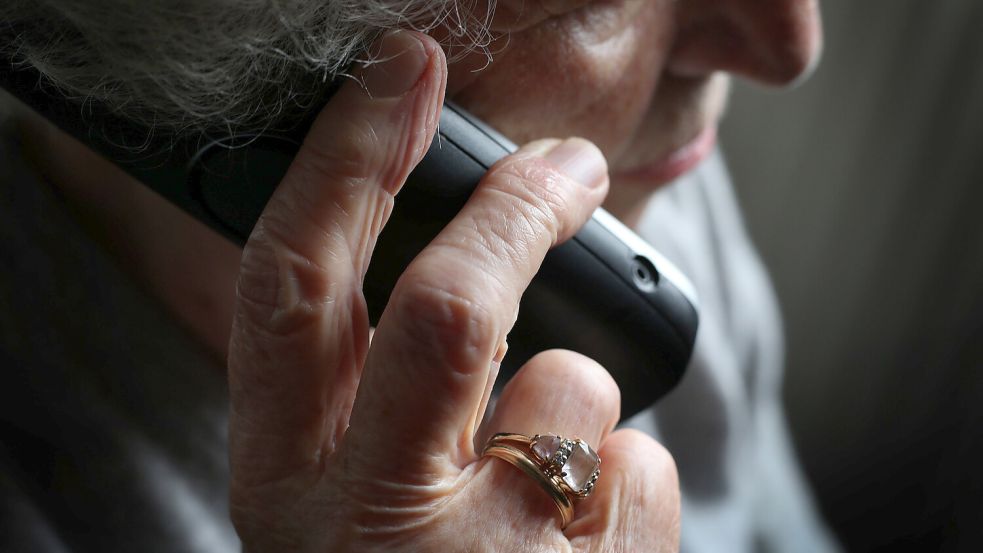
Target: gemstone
(545,446)
(580,466)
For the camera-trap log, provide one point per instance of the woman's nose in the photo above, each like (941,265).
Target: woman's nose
(774,42)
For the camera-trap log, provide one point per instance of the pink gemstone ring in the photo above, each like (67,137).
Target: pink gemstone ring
(566,469)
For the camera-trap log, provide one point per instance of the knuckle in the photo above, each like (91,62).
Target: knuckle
(447,321)
(504,241)
(280,291)
(587,381)
(349,153)
(301,217)
(537,193)
(256,285)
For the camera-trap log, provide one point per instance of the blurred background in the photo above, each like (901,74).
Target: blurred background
(863,189)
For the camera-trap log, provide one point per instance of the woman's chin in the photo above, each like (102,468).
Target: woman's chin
(673,165)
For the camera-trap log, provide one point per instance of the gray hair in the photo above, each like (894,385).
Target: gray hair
(217,66)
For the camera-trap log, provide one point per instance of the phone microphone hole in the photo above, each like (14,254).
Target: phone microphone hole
(644,273)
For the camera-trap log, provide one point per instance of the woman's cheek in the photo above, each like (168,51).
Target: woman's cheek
(561,79)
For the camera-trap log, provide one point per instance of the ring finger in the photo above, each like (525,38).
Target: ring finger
(558,393)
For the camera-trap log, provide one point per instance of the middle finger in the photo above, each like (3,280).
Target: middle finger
(427,370)
(561,393)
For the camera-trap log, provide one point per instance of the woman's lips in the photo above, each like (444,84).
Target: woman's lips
(677,162)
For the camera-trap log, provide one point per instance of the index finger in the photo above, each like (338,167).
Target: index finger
(301,326)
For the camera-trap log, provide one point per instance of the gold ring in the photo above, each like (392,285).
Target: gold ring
(566,469)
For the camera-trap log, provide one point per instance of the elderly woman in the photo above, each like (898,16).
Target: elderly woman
(342,443)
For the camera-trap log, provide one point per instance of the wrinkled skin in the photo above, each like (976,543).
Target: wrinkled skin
(337,445)
(343,446)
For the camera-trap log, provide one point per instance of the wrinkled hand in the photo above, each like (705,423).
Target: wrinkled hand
(338,446)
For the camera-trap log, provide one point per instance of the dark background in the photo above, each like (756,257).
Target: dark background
(862,189)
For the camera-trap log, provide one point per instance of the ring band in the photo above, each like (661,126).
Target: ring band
(564,468)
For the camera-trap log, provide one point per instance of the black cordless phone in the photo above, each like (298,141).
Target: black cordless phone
(605,293)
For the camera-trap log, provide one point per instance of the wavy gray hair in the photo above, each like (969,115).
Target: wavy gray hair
(217,65)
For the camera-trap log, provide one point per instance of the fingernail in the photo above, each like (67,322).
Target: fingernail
(397,63)
(581,160)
